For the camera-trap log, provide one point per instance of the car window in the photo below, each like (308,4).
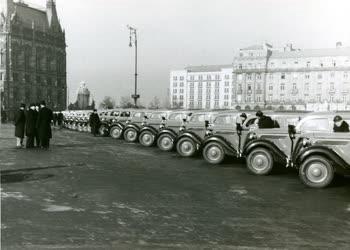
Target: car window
(156,116)
(176,116)
(319,124)
(225,119)
(250,122)
(138,114)
(198,118)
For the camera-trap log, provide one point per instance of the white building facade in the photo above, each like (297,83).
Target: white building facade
(263,77)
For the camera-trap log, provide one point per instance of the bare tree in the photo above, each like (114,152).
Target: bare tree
(107,103)
(126,102)
(155,103)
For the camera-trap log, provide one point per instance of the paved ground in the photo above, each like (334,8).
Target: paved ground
(100,193)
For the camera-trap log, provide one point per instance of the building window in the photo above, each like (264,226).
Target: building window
(283,76)
(346,75)
(319,76)
(182,78)
(181,97)
(175,91)
(227,77)
(227,84)
(226,97)
(258,76)
(191,85)
(200,77)
(307,86)
(307,76)
(192,78)
(331,86)
(181,84)
(175,78)
(249,87)
(272,65)
(282,97)
(175,84)
(208,77)
(200,85)
(308,64)
(181,91)
(227,90)
(282,86)
(332,74)
(270,87)
(249,77)
(217,84)
(294,86)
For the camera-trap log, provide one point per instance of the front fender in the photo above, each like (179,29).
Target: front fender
(190,135)
(134,126)
(119,125)
(167,131)
(339,164)
(276,152)
(229,149)
(149,128)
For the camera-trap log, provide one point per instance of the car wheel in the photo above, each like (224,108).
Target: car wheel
(316,172)
(146,138)
(130,135)
(102,130)
(186,147)
(214,153)
(116,132)
(260,161)
(165,142)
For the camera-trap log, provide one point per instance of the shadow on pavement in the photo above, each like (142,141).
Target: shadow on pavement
(22,177)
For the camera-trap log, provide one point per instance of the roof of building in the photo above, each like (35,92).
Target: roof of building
(83,90)
(208,68)
(257,47)
(31,16)
(342,51)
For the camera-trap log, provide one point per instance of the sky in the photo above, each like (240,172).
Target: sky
(173,34)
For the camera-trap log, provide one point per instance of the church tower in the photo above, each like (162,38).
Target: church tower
(52,16)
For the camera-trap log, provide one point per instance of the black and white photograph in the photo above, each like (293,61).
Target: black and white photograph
(174,124)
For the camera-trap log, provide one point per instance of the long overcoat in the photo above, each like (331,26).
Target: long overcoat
(31,123)
(20,121)
(94,123)
(43,123)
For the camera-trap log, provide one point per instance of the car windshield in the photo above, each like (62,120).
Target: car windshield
(157,115)
(225,119)
(176,116)
(317,124)
(198,118)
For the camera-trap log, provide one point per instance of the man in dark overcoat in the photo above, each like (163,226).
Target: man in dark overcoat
(94,121)
(60,119)
(20,121)
(44,125)
(31,126)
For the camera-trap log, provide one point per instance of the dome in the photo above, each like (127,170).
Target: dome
(83,90)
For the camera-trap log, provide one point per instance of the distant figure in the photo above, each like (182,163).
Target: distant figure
(94,121)
(31,126)
(264,121)
(44,125)
(54,118)
(20,121)
(36,136)
(340,125)
(60,119)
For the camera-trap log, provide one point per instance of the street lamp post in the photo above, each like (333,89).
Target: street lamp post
(133,40)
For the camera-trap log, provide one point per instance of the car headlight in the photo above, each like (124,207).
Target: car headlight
(252,136)
(208,132)
(306,142)
(182,128)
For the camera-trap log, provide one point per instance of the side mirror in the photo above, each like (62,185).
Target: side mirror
(184,120)
(145,117)
(163,118)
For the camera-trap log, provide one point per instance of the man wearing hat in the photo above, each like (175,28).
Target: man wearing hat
(43,125)
(94,121)
(30,126)
(20,121)
(340,125)
(264,121)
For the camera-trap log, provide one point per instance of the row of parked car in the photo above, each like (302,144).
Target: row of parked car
(300,140)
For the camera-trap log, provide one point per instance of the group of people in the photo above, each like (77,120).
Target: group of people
(264,121)
(35,124)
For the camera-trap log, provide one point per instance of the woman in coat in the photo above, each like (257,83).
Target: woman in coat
(20,122)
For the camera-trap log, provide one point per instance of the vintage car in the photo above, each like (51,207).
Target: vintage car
(118,123)
(106,118)
(292,147)
(190,140)
(133,125)
(228,135)
(170,128)
(151,126)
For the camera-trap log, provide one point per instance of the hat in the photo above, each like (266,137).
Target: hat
(337,118)
(95,110)
(23,105)
(243,115)
(43,103)
(259,113)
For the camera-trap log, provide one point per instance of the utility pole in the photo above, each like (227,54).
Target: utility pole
(133,40)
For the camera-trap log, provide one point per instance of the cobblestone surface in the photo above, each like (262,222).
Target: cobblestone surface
(100,193)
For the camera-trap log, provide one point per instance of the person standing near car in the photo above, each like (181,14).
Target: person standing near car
(264,121)
(20,121)
(94,122)
(36,136)
(60,119)
(44,125)
(340,126)
(30,126)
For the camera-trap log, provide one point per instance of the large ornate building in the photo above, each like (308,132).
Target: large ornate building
(33,56)
(272,78)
